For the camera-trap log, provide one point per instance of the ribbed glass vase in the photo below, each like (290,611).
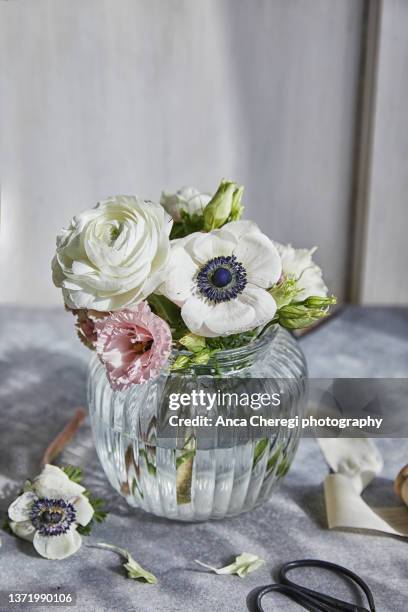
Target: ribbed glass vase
(198,475)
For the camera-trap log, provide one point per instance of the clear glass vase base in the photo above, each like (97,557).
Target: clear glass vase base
(197,479)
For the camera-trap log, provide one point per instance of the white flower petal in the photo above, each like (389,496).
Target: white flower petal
(312,283)
(179,284)
(57,547)
(241,228)
(54,488)
(194,314)
(54,483)
(177,243)
(113,255)
(298,263)
(230,317)
(23,529)
(253,250)
(260,259)
(188,199)
(19,510)
(53,470)
(83,509)
(80,267)
(57,272)
(262,303)
(223,319)
(207,246)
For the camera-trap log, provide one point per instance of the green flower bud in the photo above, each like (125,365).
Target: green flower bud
(301,314)
(218,209)
(237,209)
(315,301)
(284,292)
(180,363)
(297,316)
(192,342)
(202,358)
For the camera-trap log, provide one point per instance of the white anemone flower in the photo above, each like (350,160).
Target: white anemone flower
(187,199)
(220,279)
(49,512)
(298,264)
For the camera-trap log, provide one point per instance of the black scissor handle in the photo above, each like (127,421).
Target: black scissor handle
(314,601)
(339,569)
(294,593)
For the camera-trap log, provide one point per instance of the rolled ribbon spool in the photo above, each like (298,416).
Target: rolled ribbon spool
(401,484)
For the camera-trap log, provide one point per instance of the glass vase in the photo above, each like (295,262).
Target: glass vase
(199,473)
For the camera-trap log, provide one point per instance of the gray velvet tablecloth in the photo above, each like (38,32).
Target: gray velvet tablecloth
(42,378)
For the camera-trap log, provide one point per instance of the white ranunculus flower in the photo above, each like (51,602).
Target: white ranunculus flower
(112,256)
(298,264)
(220,279)
(188,199)
(49,512)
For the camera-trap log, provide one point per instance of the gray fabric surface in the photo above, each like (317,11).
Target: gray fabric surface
(42,378)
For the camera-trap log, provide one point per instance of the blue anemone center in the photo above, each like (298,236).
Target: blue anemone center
(221,277)
(52,516)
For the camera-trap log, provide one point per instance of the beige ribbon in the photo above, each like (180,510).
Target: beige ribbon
(355,463)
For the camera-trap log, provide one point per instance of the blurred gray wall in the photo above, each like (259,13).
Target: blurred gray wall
(131,96)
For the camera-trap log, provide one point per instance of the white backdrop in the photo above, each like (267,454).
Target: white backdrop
(131,96)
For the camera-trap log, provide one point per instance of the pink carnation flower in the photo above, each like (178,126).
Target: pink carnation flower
(85,325)
(133,345)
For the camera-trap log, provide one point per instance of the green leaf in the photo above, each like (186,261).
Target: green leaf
(273,460)
(283,468)
(135,487)
(244,564)
(260,448)
(151,468)
(184,471)
(200,346)
(184,476)
(177,231)
(132,567)
(85,530)
(73,472)
(233,341)
(166,310)
(188,225)
(184,457)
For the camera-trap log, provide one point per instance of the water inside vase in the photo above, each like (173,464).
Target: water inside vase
(191,477)
(192,484)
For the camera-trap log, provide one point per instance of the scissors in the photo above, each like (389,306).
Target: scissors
(314,600)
